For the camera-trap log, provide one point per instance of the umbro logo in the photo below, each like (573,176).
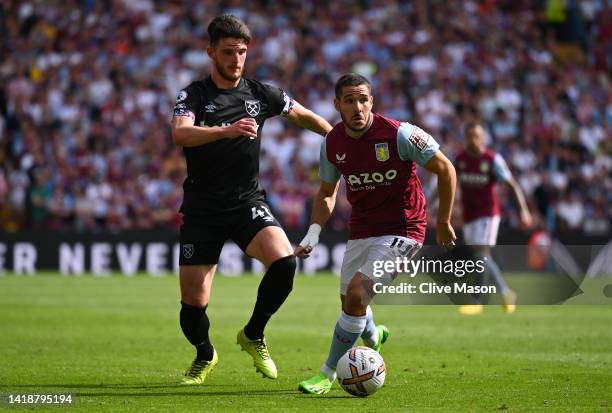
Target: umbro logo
(341,158)
(210,108)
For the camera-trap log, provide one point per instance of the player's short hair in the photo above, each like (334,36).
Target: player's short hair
(469,126)
(228,25)
(351,79)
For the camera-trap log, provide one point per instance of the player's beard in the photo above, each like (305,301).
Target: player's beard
(475,150)
(367,125)
(227,76)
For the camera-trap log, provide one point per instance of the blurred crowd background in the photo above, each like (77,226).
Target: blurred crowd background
(87,89)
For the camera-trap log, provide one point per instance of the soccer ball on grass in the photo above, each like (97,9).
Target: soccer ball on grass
(361,371)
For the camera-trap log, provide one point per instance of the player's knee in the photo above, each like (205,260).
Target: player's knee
(354,302)
(194,294)
(285,268)
(482,250)
(286,264)
(194,299)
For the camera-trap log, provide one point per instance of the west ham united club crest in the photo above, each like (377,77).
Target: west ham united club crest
(187,250)
(382,151)
(252,107)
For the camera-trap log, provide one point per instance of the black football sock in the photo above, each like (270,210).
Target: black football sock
(273,289)
(195,325)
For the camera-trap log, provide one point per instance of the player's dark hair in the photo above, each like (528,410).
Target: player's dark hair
(225,26)
(469,126)
(351,79)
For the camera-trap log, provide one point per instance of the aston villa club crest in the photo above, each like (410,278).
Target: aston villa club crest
(252,107)
(484,167)
(382,151)
(188,250)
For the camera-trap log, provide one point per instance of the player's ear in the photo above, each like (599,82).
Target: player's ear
(337,104)
(210,51)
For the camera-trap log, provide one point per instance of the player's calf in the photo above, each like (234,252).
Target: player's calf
(274,288)
(195,325)
(358,295)
(347,331)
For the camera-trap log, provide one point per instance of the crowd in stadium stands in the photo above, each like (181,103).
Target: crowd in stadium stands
(87,88)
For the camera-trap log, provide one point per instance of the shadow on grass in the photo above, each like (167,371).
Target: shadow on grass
(106,390)
(327,396)
(104,386)
(231,393)
(202,391)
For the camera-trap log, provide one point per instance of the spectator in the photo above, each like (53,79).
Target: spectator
(571,211)
(86,91)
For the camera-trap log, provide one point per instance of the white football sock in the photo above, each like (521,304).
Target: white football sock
(370,333)
(372,340)
(329,372)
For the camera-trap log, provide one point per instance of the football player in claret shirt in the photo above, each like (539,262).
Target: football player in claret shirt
(218,121)
(377,157)
(479,169)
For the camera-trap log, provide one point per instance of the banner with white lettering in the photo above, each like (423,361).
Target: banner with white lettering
(156,253)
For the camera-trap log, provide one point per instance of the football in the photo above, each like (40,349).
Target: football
(361,371)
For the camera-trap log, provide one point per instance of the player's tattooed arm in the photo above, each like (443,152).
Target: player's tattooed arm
(322,207)
(308,119)
(447,183)
(185,133)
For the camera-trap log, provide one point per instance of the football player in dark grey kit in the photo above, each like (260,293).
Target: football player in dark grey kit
(218,121)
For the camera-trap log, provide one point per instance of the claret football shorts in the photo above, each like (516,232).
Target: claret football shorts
(365,255)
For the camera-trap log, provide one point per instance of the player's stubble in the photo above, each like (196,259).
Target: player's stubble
(225,74)
(347,123)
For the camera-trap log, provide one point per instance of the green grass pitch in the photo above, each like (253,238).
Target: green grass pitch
(114,343)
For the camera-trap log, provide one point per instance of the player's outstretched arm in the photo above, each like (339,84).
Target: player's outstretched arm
(308,119)
(502,173)
(526,219)
(323,205)
(185,133)
(447,183)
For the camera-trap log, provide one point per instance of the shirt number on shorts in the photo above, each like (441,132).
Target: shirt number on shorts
(263,212)
(400,246)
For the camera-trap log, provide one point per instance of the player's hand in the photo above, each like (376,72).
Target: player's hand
(244,127)
(526,219)
(309,242)
(445,235)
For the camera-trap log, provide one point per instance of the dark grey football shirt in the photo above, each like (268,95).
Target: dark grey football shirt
(223,175)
